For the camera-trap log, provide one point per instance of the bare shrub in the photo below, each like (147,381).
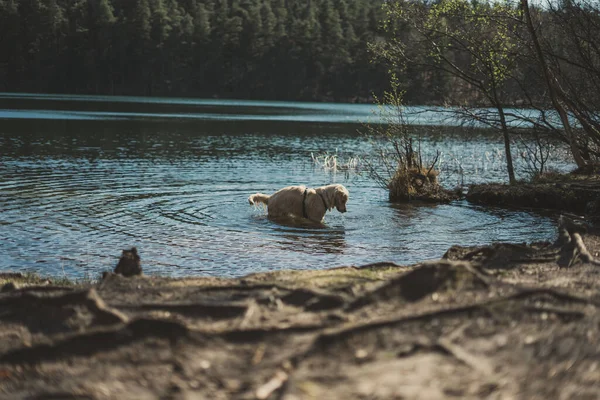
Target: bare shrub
(396,162)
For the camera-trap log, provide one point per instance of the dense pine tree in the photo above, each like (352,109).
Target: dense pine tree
(276,49)
(257,49)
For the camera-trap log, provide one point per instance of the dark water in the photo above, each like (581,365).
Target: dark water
(83,177)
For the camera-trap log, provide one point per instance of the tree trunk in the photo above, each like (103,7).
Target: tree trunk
(509,161)
(550,82)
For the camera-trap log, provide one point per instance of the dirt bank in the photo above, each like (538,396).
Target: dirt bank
(578,194)
(503,321)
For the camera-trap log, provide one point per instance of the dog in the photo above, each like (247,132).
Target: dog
(300,201)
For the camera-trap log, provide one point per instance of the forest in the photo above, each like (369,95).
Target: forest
(254,49)
(319,50)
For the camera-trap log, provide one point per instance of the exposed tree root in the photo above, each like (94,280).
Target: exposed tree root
(425,279)
(62,396)
(561,312)
(328,338)
(101,340)
(445,344)
(32,300)
(313,300)
(198,309)
(260,334)
(525,292)
(479,307)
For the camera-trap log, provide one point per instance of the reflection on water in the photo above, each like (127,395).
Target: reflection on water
(73,193)
(310,237)
(88,107)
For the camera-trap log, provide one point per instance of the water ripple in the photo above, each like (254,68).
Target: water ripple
(71,199)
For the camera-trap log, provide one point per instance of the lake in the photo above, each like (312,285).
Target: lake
(83,177)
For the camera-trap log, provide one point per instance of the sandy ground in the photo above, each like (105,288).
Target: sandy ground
(498,322)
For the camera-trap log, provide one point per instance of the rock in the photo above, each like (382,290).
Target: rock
(129,264)
(592,208)
(8,287)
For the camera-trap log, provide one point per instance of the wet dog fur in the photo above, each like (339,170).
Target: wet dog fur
(290,201)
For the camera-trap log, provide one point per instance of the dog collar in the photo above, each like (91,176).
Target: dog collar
(324,202)
(304,214)
(304,204)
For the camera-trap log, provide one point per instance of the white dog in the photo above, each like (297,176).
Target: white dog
(300,201)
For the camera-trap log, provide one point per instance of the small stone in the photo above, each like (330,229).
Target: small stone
(9,287)
(361,354)
(529,339)
(129,263)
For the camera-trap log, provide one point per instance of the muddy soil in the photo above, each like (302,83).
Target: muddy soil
(574,193)
(503,321)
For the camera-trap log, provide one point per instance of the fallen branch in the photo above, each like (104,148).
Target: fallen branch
(476,363)
(582,252)
(573,248)
(272,385)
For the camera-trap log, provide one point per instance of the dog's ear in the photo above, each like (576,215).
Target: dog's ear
(340,198)
(341,195)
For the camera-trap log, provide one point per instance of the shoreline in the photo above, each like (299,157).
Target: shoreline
(570,193)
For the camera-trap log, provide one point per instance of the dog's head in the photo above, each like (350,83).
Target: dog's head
(341,198)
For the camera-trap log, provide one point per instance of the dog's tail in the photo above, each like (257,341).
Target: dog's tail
(258,198)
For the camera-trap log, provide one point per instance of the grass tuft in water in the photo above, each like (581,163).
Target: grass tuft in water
(333,162)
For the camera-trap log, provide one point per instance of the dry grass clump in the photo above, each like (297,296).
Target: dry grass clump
(550,176)
(409,182)
(418,183)
(395,162)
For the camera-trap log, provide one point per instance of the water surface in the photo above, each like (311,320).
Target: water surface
(74,191)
